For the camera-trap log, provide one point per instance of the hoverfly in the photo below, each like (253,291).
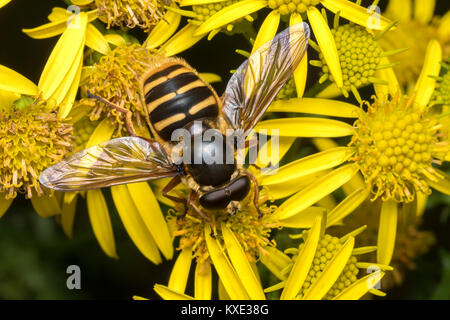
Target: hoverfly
(176,97)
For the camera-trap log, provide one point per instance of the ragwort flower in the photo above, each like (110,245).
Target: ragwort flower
(295,10)
(394,145)
(35,132)
(417,16)
(4,2)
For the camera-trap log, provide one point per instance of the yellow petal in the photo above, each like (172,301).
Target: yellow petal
(327,107)
(115,39)
(12,81)
(267,157)
(303,261)
(347,206)
(4,204)
(359,288)
(182,40)
(102,133)
(305,127)
(163,30)
(267,30)
(82,2)
(316,191)
(230,14)
(431,68)
(399,10)
(357,14)
(308,165)
(4,2)
(45,206)
(421,202)
(444,26)
(241,263)
(151,213)
(388,75)
(227,274)
(95,40)
(58,26)
(101,222)
(285,189)
(424,10)
(223,295)
(275,261)
(330,274)
(180,271)
(68,209)
(168,294)
(69,99)
(210,77)
(300,74)
(442,185)
(326,43)
(134,224)
(304,219)
(332,91)
(203,281)
(387,232)
(63,57)
(7,99)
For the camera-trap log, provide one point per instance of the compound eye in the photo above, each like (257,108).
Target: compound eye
(218,199)
(239,188)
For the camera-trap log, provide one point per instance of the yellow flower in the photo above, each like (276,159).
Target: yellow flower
(4,2)
(34,117)
(394,145)
(322,267)
(127,13)
(414,15)
(411,242)
(80,22)
(295,10)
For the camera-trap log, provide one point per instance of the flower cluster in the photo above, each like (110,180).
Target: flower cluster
(362,125)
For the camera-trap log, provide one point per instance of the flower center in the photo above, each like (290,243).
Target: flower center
(130,13)
(122,68)
(442,93)
(83,130)
(32,140)
(359,55)
(292,6)
(288,91)
(327,248)
(394,143)
(205,11)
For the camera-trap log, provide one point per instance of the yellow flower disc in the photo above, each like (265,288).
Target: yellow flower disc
(130,13)
(32,139)
(359,55)
(393,145)
(205,11)
(83,130)
(123,67)
(288,91)
(326,249)
(442,93)
(292,6)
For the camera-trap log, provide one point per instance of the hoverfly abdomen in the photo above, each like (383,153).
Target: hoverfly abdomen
(176,96)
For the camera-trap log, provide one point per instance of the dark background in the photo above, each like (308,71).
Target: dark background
(34,253)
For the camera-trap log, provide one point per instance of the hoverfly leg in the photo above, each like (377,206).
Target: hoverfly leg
(192,204)
(256,192)
(169,187)
(128,114)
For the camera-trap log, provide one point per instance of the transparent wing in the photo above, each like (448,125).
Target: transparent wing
(118,161)
(258,80)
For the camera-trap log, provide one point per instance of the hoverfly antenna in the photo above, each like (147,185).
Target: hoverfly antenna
(91,95)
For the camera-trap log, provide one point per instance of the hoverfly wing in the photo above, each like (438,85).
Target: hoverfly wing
(118,161)
(254,85)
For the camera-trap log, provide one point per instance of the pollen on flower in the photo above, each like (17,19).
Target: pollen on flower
(359,55)
(122,69)
(394,143)
(32,139)
(292,6)
(130,13)
(252,232)
(327,249)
